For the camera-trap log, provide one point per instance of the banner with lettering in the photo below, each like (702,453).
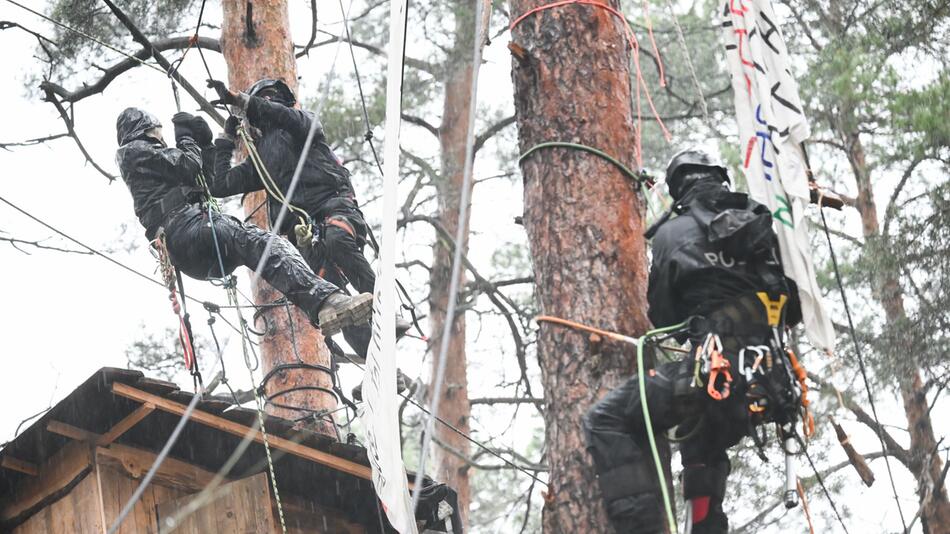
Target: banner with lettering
(772,126)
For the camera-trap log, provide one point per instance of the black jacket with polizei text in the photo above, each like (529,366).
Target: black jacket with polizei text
(161,179)
(720,246)
(283,133)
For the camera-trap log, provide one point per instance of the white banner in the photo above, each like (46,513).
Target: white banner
(379,413)
(772,126)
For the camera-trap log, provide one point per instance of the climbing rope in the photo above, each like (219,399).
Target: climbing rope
(658,462)
(643,180)
(879,429)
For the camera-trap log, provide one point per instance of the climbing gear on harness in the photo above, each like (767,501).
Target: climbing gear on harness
(304,225)
(171,275)
(716,365)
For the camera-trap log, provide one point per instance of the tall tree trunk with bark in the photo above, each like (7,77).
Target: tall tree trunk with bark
(584,221)
(256,42)
(924,459)
(454,406)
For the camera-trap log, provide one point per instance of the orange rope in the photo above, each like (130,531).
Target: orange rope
(801,495)
(600,332)
(578,326)
(642,88)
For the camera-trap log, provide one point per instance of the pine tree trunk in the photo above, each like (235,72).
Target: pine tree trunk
(925,464)
(256,42)
(454,405)
(584,221)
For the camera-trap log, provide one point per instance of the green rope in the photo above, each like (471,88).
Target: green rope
(626,171)
(561,144)
(649,422)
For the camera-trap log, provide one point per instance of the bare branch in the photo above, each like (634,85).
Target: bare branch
(50,97)
(419,64)
(140,38)
(492,130)
(38,244)
(419,121)
(33,142)
(891,210)
(113,72)
(506,400)
(313,31)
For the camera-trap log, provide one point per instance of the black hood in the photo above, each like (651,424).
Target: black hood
(133,123)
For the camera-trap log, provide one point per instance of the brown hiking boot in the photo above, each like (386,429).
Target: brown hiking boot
(339,311)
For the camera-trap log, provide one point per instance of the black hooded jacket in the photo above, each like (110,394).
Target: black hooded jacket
(283,133)
(161,179)
(721,245)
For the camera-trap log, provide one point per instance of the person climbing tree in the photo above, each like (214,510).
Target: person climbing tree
(327,224)
(716,270)
(168,195)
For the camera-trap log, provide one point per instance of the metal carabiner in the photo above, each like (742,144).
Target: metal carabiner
(718,364)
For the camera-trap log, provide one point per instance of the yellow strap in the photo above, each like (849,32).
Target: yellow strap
(773,308)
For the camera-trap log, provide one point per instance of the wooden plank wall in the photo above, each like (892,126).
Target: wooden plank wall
(75,513)
(242,506)
(116,487)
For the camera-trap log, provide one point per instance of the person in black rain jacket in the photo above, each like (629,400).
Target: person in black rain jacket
(710,262)
(324,192)
(168,201)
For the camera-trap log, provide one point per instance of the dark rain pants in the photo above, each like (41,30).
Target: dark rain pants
(190,238)
(616,438)
(336,254)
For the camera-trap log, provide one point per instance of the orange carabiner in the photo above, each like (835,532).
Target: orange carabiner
(718,364)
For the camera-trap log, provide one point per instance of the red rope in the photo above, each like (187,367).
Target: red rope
(642,88)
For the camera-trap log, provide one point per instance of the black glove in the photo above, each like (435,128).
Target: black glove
(183,125)
(203,133)
(231,126)
(225,96)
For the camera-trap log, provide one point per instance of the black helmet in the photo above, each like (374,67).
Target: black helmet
(284,95)
(133,123)
(690,159)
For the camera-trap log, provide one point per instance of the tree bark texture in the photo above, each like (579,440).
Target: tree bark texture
(925,463)
(584,220)
(256,41)
(454,405)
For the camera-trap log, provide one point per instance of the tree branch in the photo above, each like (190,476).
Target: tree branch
(313,32)
(419,64)
(140,38)
(491,131)
(38,244)
(506,400)
(893,448)
(419,121)
(33,142)
(50,97)
(113,72)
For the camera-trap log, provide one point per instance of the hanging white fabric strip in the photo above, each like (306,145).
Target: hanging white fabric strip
(772,126)
(379,413)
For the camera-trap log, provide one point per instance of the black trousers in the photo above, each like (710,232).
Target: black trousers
(336,254)
(615,430)
(192,247)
